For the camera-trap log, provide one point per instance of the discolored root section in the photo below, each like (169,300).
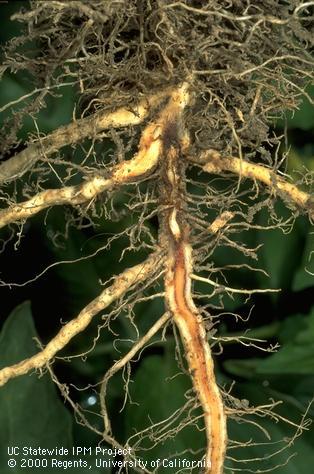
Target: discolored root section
(179,264)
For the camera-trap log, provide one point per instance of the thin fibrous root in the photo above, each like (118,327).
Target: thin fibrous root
(126,359)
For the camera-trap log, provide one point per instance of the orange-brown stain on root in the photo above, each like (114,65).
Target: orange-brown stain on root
(200,363)
(175,141)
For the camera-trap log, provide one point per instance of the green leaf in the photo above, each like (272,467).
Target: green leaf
(279,432)
(291,359)
(242,367)
(11,28)
(80,279)
(280,254)
(298,159)
(297,355)
(157,392)
(303,117)
(56,111)
(303,278)
(31,412)
(294,460)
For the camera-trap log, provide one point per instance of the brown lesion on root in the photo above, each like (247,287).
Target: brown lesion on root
(137,168)
(164,141)
(175,235)
(77,131)
(198,355)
